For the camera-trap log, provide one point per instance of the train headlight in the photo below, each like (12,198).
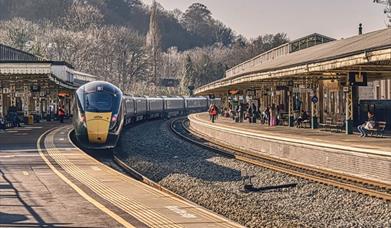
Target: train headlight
(114,118)
(113,122)
(82,118)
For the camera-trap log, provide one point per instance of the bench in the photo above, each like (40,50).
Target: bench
(306,122)
(7,124)
(284,119)
(379,128)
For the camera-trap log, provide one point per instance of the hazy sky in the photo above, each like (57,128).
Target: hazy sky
(334,18)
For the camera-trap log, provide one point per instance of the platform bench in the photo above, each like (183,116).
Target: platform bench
(379,128)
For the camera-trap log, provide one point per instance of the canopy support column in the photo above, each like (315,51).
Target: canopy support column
(290,109)
(349,111)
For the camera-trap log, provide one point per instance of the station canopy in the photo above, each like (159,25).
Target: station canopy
(17,65)
(369,53)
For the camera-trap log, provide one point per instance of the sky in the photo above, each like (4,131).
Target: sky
(298,18)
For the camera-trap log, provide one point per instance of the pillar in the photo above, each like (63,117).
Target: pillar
(290,109)
(314,107)
(349,111)
(314,115)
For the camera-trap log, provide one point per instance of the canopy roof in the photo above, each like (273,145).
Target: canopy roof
(355,53)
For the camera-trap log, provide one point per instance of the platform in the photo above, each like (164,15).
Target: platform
(368,157)
(52,183)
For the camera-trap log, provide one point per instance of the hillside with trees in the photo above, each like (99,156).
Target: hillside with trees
(128,43)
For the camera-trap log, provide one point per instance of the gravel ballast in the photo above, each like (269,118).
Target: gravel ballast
(214,182)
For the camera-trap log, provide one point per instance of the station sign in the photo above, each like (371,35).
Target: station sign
(167,82)
(35,88)
(233,91)
(314,99)
(358,79)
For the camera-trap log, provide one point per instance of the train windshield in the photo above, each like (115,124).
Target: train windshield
(101,102)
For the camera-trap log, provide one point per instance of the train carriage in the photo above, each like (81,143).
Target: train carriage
(101,111)
(155,107)
(173,106)
(196,104)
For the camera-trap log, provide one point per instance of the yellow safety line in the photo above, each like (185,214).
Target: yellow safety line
(148,216)
(193,207)
(78,190)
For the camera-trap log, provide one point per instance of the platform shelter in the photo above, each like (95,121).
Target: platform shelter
(325,78)
(35,86)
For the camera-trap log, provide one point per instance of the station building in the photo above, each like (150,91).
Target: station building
(36,86)
(334,80)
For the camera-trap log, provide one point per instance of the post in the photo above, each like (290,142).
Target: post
(314,109)
(349,111)
(314,115)
(290,109)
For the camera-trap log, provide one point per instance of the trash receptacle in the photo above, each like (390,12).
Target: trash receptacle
(30,120)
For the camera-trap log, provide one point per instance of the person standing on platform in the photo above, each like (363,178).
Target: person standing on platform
(241,113)
(266,116)
(61,113)
(249,114)
(2,123)
(213,112)
(254,113)
(210,108)
(273,116)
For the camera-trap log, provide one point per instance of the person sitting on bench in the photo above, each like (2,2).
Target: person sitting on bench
(370,124)
(302,117)
(2,123)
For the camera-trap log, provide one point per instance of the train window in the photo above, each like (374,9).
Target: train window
(98,102)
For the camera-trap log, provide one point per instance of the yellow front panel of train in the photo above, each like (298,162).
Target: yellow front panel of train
(98,125)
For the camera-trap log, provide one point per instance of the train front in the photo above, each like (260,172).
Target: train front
(98,115)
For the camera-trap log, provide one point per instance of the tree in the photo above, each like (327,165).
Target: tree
(131,61)
(19,32)
(153,43)
(82,15)
(198,20)
(189,73)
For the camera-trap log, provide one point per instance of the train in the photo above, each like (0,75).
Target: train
(101,111)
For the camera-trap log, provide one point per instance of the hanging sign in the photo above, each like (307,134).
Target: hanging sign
(314,99)
(358,79)
(234,91)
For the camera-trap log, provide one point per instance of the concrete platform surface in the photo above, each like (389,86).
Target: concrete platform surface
(368,158)
(55,184)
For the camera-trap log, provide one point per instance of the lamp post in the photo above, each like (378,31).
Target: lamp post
(191,89)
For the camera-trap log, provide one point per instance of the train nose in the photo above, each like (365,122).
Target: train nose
(98,126)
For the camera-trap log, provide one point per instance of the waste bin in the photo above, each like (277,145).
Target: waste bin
(30,120)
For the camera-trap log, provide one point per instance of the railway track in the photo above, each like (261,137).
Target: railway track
(180,127)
